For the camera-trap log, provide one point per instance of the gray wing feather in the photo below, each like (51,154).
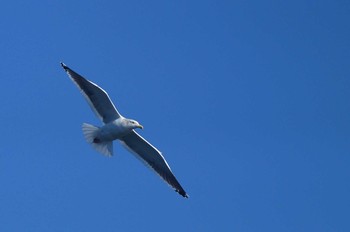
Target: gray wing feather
(97,98)
(153,158)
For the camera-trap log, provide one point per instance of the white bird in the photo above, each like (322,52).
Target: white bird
(116,127)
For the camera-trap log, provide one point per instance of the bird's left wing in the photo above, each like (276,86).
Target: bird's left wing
(97,98)
(152,158)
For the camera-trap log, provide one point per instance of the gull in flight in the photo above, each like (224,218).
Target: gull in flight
(116,127)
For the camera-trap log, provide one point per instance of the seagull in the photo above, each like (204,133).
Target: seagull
(116,127)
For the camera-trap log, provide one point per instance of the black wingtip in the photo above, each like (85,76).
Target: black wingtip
(63,66)
(183,193)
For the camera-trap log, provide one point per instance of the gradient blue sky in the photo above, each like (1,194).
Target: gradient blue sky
(249,101)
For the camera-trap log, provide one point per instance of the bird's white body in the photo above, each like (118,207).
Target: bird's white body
(101,138)
(113,130)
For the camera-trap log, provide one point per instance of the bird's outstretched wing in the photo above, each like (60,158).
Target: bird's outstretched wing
(152,158)
(97,98)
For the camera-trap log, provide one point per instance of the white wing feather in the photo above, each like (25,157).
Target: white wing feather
(153,158)
(97,98)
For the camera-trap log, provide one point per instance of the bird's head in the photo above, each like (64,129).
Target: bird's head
(133,124)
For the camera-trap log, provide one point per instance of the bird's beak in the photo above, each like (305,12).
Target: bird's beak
(140,126)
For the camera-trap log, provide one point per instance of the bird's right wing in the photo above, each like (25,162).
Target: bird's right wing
(152,158)
(97,98)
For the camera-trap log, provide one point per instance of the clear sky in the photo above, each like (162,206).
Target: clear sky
(249,101)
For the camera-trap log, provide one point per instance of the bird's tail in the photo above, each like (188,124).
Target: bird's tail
(90,133)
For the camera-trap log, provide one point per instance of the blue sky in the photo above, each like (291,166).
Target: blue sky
(247,100)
